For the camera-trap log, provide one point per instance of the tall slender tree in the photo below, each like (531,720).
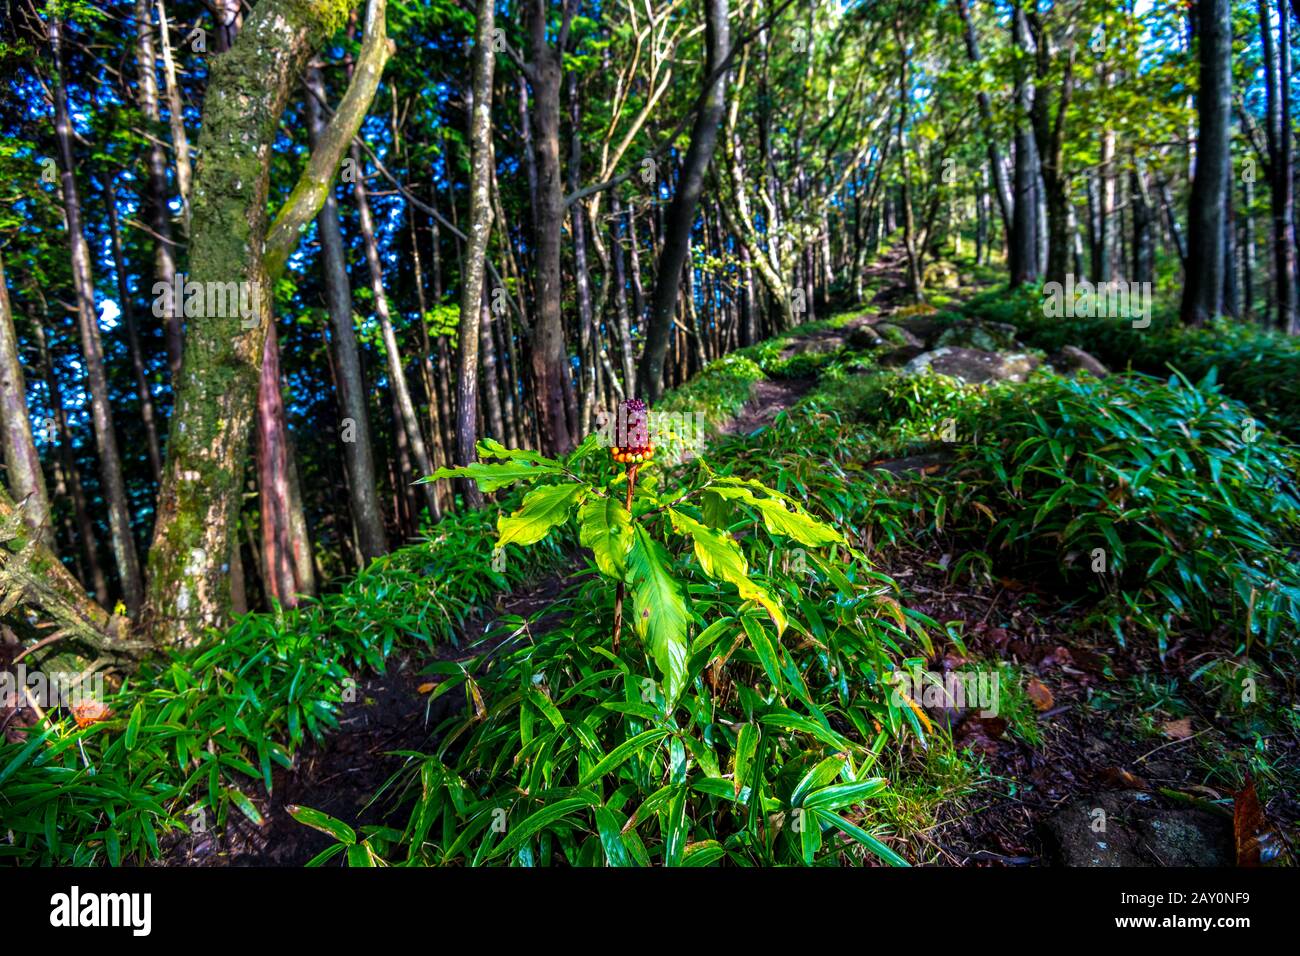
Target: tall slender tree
(1203,289)
(25,478)
(680,219)
(110,460)
(480,228)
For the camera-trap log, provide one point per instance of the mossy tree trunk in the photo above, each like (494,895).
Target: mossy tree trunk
(248,89)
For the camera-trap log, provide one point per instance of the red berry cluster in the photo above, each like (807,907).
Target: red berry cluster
(633,424)
(633,456)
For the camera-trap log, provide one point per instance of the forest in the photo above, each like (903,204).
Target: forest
(640,433)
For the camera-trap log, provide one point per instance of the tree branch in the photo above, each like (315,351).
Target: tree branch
(689,115)
(318,178)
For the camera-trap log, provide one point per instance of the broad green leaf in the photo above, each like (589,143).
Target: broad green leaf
(246,806)
(765,649)
(621,753)
(611,838)
(746,745)
(810,834)
(659,610)
(843,794)
(543,509)
(704,853)
(721,558)
(23,754)
(820,775)
(605,526)
(675,829)
(361,855)
(863,837)
(799,525)
(490,476)
(521,832)
(781,514)
(491,448)
(133,726)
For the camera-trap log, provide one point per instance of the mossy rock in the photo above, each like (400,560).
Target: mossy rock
(987,336)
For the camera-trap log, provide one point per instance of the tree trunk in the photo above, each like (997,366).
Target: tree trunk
(1203,289)
(480,229)
(133,336)
(623,322)
(159,212)
(358,449)
(1248,247)
(26,480)
(587,345)
(1002,186)
(1277,76)
(681,213)
(85,528)
(408,420)
(1143,229)
(1023,242)
(279,569)
(248,89)
(176,118)
(552,383)
(110,461)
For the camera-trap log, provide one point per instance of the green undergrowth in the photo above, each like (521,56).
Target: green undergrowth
(1159,502)
(740,719)
(1257,366)
(198,731)
(723,387)
(1158,497)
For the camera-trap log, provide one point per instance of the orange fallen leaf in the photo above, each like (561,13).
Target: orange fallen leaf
(426,688)
(1179,729)
(1120,778)
(89,712)
(1039,695)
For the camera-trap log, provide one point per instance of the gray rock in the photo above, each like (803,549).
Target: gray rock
(1130,828)
(863,337)
(1189,838)
(896,335)
(988,336)
(1092,833)
(1074,359)
(974,366)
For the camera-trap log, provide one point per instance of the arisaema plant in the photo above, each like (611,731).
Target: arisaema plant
(738,716)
